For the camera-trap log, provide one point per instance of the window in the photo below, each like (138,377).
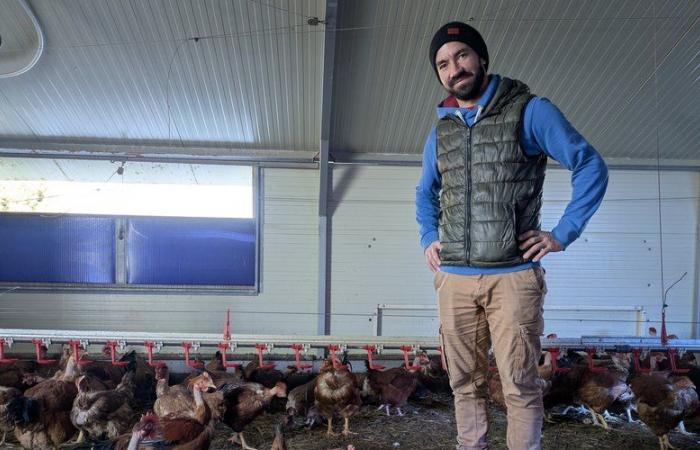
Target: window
(134,225)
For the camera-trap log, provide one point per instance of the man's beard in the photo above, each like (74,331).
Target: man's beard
(470,90)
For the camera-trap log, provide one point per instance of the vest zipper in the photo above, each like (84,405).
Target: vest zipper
(467,216)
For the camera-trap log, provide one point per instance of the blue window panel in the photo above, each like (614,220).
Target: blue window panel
(187,251)
(63,249)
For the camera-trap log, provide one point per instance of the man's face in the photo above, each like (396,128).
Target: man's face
(461,70)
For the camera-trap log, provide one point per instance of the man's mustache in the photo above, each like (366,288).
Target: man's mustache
(455,79)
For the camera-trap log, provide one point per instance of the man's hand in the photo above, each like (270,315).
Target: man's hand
(537,244)
(432,256)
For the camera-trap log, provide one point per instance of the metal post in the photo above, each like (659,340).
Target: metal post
(696,291)
(324,244)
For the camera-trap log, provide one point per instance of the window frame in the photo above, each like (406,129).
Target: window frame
(121,270)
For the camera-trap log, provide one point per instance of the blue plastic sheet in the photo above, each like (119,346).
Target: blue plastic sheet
(188,251)
(63,249)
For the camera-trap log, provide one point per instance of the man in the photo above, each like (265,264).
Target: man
(478,206)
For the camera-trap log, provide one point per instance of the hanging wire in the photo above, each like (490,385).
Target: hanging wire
(305,28)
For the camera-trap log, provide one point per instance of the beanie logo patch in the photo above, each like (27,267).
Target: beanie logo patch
(453,30)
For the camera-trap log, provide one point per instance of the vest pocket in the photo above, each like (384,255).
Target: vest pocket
(510,235)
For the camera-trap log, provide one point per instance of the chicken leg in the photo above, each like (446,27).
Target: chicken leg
(384,405)
(665,443)
(609,417)
(346,428)
(238,438)
(599,420)
(4,436)
(681,429)
(330,432)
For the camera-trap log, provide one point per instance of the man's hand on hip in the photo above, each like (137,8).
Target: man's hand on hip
(538,243)
(432,256)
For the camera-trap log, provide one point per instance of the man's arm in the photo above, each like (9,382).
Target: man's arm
(428,203)
(547,130)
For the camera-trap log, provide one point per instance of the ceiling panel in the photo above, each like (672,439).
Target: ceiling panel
(188,75)
(242,73)
(596,60)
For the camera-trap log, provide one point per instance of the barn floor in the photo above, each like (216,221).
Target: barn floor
(431,426)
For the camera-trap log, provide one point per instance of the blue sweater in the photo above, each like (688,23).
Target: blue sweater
(545,130)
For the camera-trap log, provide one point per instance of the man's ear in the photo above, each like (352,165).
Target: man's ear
(483,63)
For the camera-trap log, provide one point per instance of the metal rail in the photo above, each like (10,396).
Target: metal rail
(640,313)
(213,341)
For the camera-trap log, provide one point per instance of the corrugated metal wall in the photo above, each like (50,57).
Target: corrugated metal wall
(289,282)
(376,259)
(616,263)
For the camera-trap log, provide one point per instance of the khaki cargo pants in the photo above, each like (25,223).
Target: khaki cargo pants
(504,310)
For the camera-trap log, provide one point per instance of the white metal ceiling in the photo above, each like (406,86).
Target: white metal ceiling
(131,72)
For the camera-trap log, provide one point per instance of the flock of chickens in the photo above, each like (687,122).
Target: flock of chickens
(103,403)
(661,392)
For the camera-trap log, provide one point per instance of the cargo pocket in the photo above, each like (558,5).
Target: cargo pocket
(443,355)
(528,351)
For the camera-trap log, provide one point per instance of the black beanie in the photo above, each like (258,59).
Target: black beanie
(458,31)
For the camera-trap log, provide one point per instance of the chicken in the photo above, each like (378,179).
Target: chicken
(599,390)
(216,365)
(367,392)
(393,390)
(301,398)
(244,402)
(173,431)
(191,430)
(12,376)
(433,376)
(162,381)
(294,378)
(563,386)
(42,415)
(663,402)
(104,371)
(104,414)
(144,378)
(279,442)
(24,374)
(266,377)
(26,368)
(337,391)
(93,384)
(218,372)
(179,399)
(7,394)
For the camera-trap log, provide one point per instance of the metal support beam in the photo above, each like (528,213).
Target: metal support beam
(199,153)
(696,291)
(194,153)
(324,223)
(414,160)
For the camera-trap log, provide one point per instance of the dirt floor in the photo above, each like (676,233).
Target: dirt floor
(430,425)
